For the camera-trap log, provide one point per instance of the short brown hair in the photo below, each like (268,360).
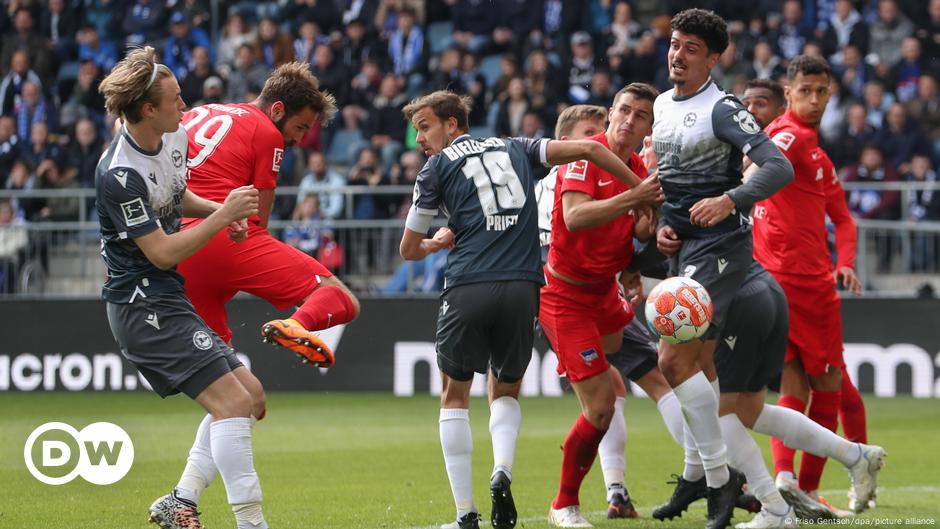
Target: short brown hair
(445,104)
(294,85)
(132,83)
(639,91)
(808,65)
(576,113)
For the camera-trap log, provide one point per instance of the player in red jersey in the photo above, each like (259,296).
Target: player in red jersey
(790,241)
(582,311)
(233,145)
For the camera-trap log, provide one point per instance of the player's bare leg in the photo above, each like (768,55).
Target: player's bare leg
(745,455)
(330,303)
(457,446)
(505,420)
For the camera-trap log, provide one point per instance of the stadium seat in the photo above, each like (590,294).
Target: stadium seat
(439,35)
(346,143)
(489,67)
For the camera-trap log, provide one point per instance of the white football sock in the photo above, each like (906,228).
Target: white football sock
(745,455)
(612,450)
(230,440)
(200,469)
(505,420)
(671,412)
(802,433)
(457,445)
(700,408)
(716,388)
(693,470)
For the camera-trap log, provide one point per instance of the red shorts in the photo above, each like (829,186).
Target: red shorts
(815,336)
(574,317)
(260,265)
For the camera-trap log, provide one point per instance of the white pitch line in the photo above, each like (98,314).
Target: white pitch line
(527,519)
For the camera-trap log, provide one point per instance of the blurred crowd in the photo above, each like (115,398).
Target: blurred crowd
(522,62)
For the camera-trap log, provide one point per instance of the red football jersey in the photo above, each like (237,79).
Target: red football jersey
(597,253)
(790,234)
(231,146)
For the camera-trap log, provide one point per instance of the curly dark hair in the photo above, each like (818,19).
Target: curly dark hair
(768,84)
(808,65)
(703,24)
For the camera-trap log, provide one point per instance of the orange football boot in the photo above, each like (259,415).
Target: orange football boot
(292,335)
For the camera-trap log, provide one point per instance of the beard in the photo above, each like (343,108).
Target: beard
(280,124)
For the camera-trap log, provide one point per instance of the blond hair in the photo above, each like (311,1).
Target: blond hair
(294,85)
(572,115)
(444,104)
(132,83)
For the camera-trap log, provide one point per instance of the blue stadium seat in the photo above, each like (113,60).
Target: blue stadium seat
(345,145)
(439,35)
(489,67)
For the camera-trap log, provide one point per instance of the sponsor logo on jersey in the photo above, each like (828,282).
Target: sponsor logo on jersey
(605,183)
(589,356)
(202,340)
(819,174)
(783,140)
(722,264)
(153,178)
(152,320)
(177,159)
(689,270)
(689,119)
(134,212)
(121,176)
(278,156)
(577,170)
(444,306)
(746,121)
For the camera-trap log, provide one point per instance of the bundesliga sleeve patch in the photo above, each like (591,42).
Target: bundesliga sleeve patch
(783,140)
(134,212)
(278,156)
(577,170)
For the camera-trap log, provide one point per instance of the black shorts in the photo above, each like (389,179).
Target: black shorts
(719,263)
(170,344)
(487,325)
(749,356)
(637,355)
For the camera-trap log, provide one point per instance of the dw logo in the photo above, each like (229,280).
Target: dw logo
(101,453)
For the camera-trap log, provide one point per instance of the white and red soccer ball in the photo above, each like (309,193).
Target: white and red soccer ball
(678,310)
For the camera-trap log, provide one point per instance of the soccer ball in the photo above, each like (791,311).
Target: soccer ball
(678,310)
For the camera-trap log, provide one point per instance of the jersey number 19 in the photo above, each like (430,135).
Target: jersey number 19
(498,185)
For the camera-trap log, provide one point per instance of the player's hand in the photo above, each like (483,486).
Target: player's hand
(710,211)
(241,203)
(648,193)
(846,276)
(644,223)
(443,239)
(238,230)
(632,287)
(667,241)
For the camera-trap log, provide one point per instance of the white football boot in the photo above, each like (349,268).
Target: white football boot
(864,474)
(569,516)
(768,520)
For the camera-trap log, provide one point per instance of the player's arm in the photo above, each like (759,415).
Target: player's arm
(265,205)
(582,211)
(846,236)
(415,245)
(197,207)
(734,125)
(559,152)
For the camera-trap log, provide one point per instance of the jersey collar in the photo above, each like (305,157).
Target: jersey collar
(708,82)
(462,137)
(133,143)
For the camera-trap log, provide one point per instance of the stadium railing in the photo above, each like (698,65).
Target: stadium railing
(62,258)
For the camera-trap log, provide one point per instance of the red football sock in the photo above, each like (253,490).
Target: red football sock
(852,411)
(824,409)
(325,307)
(783,454)
(578,454)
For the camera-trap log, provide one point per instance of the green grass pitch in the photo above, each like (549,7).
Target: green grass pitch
(374,461)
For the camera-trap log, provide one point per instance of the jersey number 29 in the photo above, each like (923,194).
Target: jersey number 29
(207,144)
(497,183)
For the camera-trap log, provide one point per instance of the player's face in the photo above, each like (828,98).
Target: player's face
(808,96)
(169,112)
(689,60)
(434,133)
(630,120)
(762,104)
(295,127)
(585,129)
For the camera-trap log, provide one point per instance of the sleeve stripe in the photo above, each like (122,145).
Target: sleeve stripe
(543,152)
